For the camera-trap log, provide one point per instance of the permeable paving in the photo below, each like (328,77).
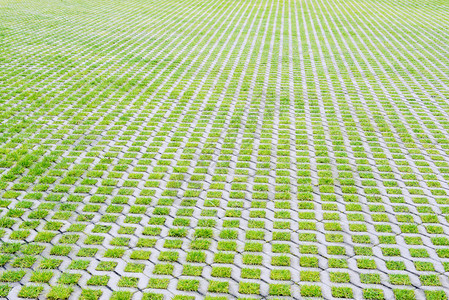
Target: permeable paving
(209,149)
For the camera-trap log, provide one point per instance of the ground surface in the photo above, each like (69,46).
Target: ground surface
(233,149)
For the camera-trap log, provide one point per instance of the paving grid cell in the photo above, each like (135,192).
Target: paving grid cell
(243,149)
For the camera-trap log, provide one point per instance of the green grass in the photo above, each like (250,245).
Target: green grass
(60,292)
(342,292)
(434,295)
(373,294)
(279,290)
(280,274)
(4,290)
(30,291)
(69,278)
(403,294)
(188,285)
(191,270)
(158,283)
(339,277)
(249,288)
(370,278)
(128,282)
(106,266)
(311,291)
(223,272)
(163,269)
(311,276)
(100,280)
(250,273)
(218,286)
(121,295)
(12,276)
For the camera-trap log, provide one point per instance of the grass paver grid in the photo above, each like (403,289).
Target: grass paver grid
(224,149)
